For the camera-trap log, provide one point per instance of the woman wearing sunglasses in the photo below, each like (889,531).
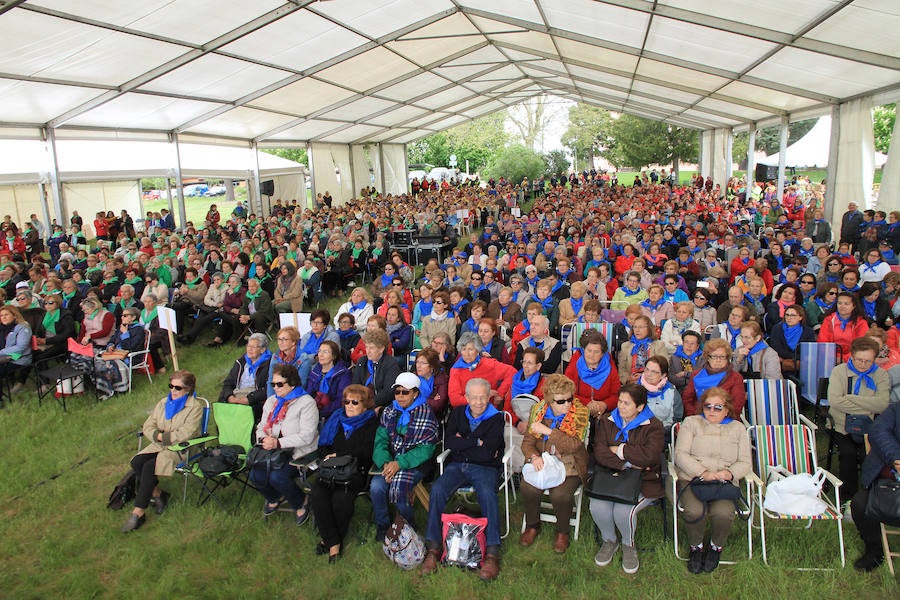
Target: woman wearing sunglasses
(174,419)
(350,431)
(713,446)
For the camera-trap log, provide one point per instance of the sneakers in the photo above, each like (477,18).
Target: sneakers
(869,561)
(630,561)
(133,522)
(606,553)
(695,560)
(711,559)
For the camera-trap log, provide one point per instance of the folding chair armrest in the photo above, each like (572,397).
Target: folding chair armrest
(375,470)
(805,421)
(778,470)
(507,455)
(191,443)
(745,422)
(837,483)
(137,353)
(753,479)
(441,458)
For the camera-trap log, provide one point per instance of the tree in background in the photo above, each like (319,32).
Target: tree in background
(530,118)
(294,154)
(556,162)
(638,142)
(515,163)
(589,133)
(476,141)
(883,118)
(769,139)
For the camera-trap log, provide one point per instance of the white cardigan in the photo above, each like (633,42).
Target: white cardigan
(298,429)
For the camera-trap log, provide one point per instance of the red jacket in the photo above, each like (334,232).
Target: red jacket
(733,384)
(18,246)
(608,393)
(738,267)
(498,374)
(831,332)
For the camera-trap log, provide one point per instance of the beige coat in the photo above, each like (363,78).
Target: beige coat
(185,425)
(195,296)
(215,296)
(294,293)
(868,402)
(704,446)
(656,347)
(297,430)
(431,328)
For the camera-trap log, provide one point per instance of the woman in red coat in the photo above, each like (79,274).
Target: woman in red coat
(101,226)
(625,260)
(471,364)
(844,324)
(741,263)
(595,374)
(715,371)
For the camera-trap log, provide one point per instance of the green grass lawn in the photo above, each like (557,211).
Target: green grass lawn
(815,175)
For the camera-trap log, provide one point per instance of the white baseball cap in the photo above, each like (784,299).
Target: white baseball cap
(408,380)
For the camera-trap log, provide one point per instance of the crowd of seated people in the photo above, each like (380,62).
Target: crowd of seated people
(701,286)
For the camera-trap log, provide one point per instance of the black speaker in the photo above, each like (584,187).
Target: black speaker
(403,237)
(267,188)
(766,172)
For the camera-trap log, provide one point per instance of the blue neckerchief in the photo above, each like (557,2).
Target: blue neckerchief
(597,376)
(703,381)
(869,308)
(456,308)
(503,310)
(534,344)
(556,286)
(779,260)
(792,334)
(475,290)
(281,400)
(546,303)
(854,289)
(753,301)
(370,367)
(824,306)
(624,428)
(358,307)
(470,325)
(526,326)
(679,352)
(174,405)
(844,322)
(629,292)
(487,347)
(660,392)
(426,386)
(313,343)
(474,422)
(346,333)
(325,382)
(253,366)
(669,297)
(532,282)
(648,304)
(862,376)
(461,364)
(639,344)
(576,304)
(386,280)
(404,418)
(555,420)
(339,418)
(522,385)
(685,262)
(425,308)
(757,347)
(829,278)
(724,421)
(745,260)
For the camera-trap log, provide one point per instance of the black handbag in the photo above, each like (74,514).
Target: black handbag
(623,487)
(857,426)
(710,491)
(270,460)
(883,503)
(337,470)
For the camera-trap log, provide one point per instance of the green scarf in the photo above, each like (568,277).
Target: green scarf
(68,296)
(92,269)
(125,305)
(192,284)
(133,280)
(147,317)
(356,252)
(110,281)
(51,318)
(252,297)
(4,283)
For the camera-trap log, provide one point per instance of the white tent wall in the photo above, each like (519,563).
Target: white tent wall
(718,156)
(91,197)
(20,202)
(856,156)
(287,188)
(327,160)
(889,193)
(365,165)
(394,157)
(706,152)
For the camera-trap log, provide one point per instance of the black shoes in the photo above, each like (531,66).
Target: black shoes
(162,501)
(711,559)
(869,561)
(695,560)
(133,522)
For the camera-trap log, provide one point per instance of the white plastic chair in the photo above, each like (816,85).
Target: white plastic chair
(139,361)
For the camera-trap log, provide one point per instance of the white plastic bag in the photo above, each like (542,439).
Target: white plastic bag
(796,495)
(553,473)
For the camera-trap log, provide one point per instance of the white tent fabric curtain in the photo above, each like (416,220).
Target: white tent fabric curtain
(91,197)
(365,166)
(289,187)
(706,153)
(717,155)
(394,168)
(21,201)
(889,194)
(323,169)
(856,156)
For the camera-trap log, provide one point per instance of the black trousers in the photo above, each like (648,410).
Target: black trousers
(333,509)
(145,467)
(869,529)
(851,457)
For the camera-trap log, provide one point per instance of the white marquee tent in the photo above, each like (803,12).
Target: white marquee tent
(356,80)
(812,149)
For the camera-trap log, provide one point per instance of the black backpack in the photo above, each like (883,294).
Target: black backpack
(218,460)
(124,491)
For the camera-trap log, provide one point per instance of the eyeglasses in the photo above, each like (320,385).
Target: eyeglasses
(284,339)
(807,283)
(831,293)
(476,278)
(714,407)
(49,302)
(177,388)
(279,384)
(353,402)
(563,401)
(439,302)
(668,283)
(403,392)
(833,264)
(718,357)
(699,297)
(316,322)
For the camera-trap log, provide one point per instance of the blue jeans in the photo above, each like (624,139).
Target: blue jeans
(456,475)
(279,482)
(378,492)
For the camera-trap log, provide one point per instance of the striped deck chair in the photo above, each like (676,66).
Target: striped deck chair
(783,450)
(773,402)
(817,359)
(571,335)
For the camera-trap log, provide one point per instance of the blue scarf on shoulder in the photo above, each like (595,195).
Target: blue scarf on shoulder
(862,376)
(474,422)
(640,345)
(426,386)
(629,292)
(461,364)
(703,380)
(792,334)
(174,405)
(576,304)
(594,377)
(679,352)
(555,420)
(405,413)
(522,385)
(339,418)
(624,428)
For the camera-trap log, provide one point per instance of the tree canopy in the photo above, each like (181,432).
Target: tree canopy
(638,142)
(476,141)
(294,154)
(589,132)
(556,162)
(883,118)
(515,163)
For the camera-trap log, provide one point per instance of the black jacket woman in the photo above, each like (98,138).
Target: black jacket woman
(786,336)
(56,328)
(350,431)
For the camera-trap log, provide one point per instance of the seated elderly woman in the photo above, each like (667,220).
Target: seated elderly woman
(755,359)
(683,362)
(681,322)
(474,437)
(376,369)
(257,312)
(328,379)
(349,431)
(786,336)
(638,349)
(56,328)
(15,347)
(557,424)
(662,397)
(714,370)
(112,366)
(713,446)
(404,445)
(289,422)
(159,339)
(320,330)
(594,373)
(472,364)
(857,387)
(883,460)
(98,324)
(175,419)
(247,380)
(631,437)
(433,381)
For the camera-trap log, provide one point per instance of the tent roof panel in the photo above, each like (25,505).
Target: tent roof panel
(520,10)
(349,134)
(855,30)
(242,122)
(303,97)
(216,76)
(413,87)
(703,45)
(594,55)
(398,115)
(306,130)
(779,15)
(777,100)
(367,70)
(152,112)
(358,109)
(376,18)
(619,25)
(27,101)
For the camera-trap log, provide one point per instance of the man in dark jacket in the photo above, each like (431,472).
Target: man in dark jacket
(246,382)
(850,224)
(474,437)
(377,370)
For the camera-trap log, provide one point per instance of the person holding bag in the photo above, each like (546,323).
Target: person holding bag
(712,447)
(287,431)
(557,425)
(629,438)
(348,433)
(857,391)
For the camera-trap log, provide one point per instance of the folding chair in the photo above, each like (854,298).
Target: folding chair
(677,508)
(70,377)
(773,402)
(546,509)
(235,427)
(817,359)
(140,361)
(411,359)
(783,450)
(505,484)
